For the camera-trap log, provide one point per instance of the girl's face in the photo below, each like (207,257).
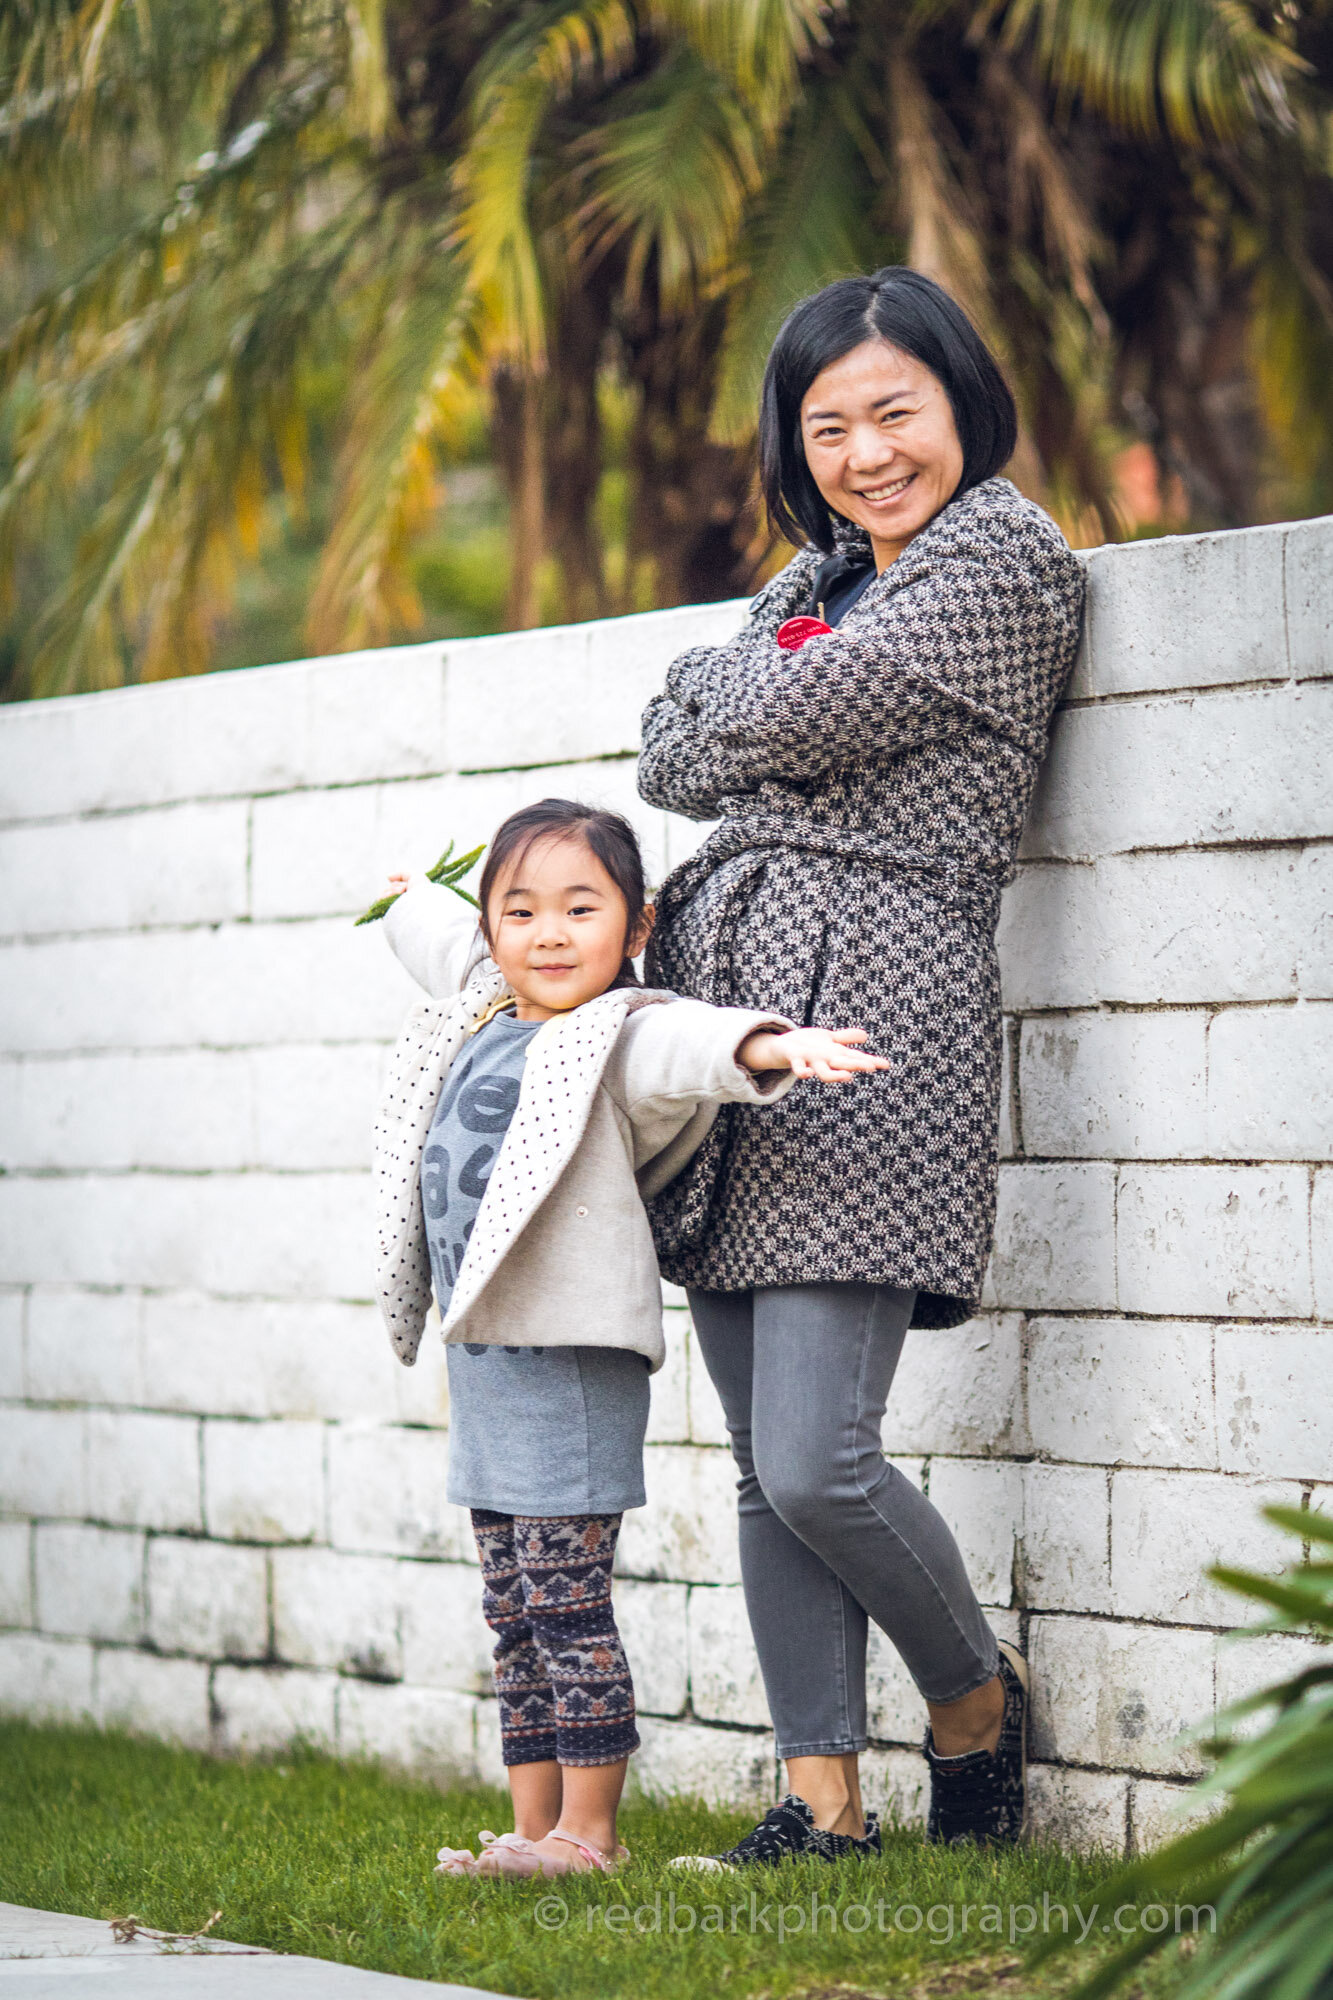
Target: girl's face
(881,444)
(557,925)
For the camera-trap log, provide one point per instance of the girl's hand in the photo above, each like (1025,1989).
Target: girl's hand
(400,882)
(826,1053)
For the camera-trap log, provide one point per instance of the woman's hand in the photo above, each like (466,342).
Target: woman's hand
(826,1053)
(400,882)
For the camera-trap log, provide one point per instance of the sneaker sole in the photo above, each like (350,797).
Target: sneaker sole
(1020,1667)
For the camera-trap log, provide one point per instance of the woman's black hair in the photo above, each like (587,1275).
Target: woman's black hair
(912,313)
(609,835)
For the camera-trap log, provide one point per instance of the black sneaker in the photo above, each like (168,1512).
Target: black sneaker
(786,1833)
(983,1795)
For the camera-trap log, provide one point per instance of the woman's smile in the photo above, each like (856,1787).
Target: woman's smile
(887,492)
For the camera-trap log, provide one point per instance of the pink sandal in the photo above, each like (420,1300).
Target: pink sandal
(513,1856)
(456,1861)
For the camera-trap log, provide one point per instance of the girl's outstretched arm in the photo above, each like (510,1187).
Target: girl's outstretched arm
(830,1055)
(435,935)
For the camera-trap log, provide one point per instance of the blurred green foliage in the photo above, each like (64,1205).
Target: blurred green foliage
(330,322)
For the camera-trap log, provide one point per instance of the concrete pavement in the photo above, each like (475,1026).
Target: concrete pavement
(47,1956)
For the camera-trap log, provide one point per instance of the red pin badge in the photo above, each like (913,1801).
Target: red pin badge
(792,635)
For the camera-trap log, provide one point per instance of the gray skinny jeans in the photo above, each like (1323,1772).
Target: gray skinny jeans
(831,1534)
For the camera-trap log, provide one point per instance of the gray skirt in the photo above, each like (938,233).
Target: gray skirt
(546,1431)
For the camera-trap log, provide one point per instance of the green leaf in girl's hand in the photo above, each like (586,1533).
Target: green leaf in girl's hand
(451,872)
(448,872)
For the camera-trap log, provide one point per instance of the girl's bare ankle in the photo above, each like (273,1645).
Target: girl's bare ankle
(596,1834)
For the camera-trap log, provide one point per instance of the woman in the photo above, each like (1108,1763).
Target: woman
(872,785)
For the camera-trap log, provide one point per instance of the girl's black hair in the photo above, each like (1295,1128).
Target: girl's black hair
(609,835)
(911,312)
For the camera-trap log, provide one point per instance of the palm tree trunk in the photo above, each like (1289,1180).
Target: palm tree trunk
(518,435)
(694,504)
(573,453)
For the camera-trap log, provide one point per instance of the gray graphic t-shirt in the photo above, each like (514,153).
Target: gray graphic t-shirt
(476,1107)
(545,1431)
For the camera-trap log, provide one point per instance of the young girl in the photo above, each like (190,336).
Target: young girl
(532,1104)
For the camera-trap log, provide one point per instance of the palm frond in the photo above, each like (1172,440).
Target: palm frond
(416,347)
(810,225)
(369,103)
(758,47)
(669,178)
(159,253)
(1196,68)
(528,71)
(153,569)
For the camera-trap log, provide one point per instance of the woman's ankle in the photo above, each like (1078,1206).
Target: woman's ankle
(850,1820)
(830,1786)
(971,1723)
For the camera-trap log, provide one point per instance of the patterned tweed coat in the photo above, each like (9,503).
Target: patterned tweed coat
(872,789)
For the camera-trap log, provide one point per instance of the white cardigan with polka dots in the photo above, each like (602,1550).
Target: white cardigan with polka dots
(616,1097)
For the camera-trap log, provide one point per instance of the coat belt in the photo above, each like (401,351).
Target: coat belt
(971,884)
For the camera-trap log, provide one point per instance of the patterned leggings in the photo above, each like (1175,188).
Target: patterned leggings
(560,1668)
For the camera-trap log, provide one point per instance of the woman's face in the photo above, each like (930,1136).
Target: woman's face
(881,444)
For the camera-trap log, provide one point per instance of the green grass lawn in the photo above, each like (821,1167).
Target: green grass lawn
(335,1860)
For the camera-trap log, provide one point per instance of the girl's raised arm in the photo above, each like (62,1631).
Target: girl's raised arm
(436,936)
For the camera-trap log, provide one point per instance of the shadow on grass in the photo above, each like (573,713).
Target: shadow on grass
(334,1860)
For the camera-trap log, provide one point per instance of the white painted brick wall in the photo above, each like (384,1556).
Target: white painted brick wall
(982,1502)
(46,1680)
(1321,1243)
(1118,1695)
(1066,1555)
(42,1462)
(207,1598)
(386,1492)
(1227,1240)
(1055,1236)
(1107,1391)
(15,1573)
(446,1642)
(336,1610)
(13,1342)
(154,1697)
(85,1346)
(1083,1809)
(1116,1086)
(143,1470)
(959,1390)
(652,1620)
(1270,1081)
(186,865)
(89,1582)
(222,1512)
(264,1482)
(1110,784)
(725,1684)
(269,1708)
(427,1731)
(1214,1518)
(1274,1411)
